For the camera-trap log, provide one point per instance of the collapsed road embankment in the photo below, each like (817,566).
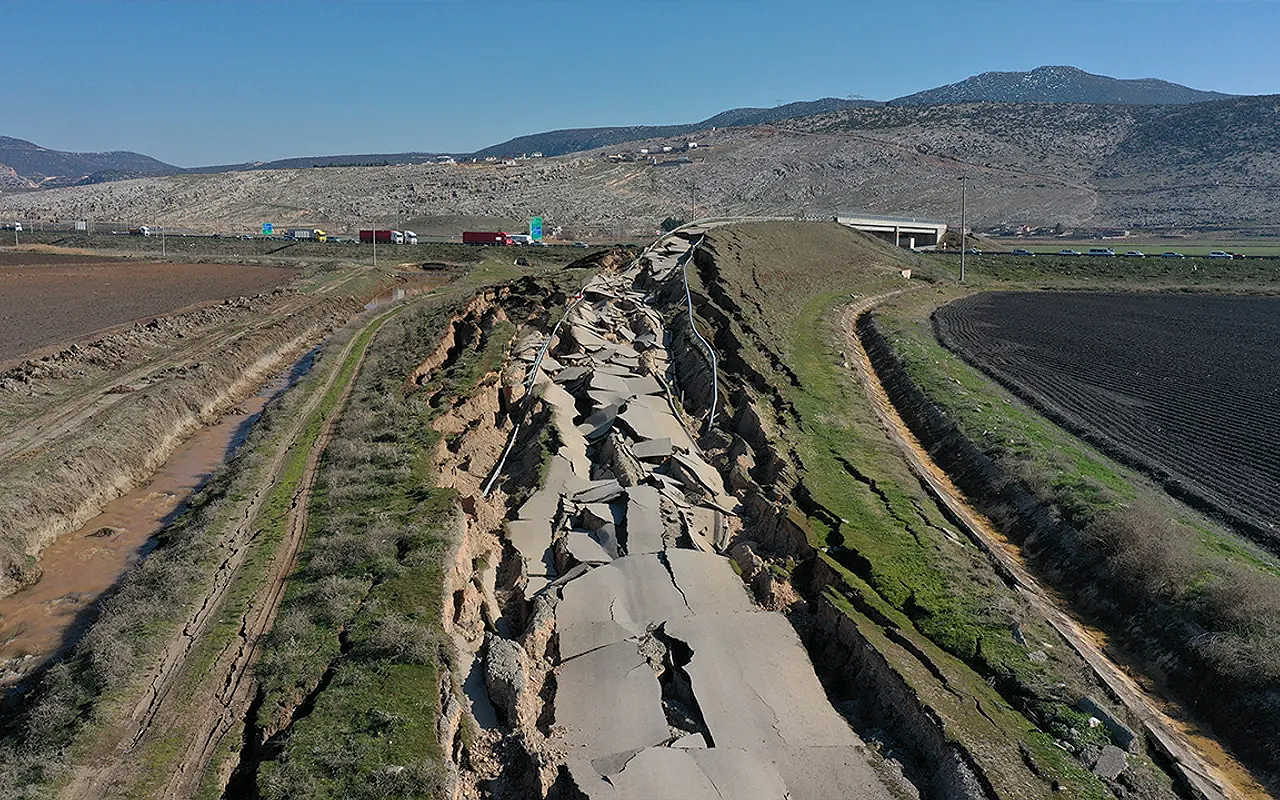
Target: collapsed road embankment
(605,645)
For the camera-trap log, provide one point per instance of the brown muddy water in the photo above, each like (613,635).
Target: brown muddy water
(388,297)
(79,567)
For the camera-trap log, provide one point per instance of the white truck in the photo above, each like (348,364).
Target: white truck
(410,237)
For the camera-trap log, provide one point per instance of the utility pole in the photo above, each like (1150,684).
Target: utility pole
(693,188)
(164,252)
(375,246)
(963,179)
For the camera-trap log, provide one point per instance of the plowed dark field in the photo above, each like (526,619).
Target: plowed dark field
(1186,388)
(48,299)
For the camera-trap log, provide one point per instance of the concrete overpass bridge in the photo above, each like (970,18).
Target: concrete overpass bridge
(908,232)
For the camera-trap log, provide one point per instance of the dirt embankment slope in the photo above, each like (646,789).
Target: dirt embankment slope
(1194,609)
(887,590)
(92,421)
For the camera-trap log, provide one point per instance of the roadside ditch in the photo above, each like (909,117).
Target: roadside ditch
(1168,640)
(56,486)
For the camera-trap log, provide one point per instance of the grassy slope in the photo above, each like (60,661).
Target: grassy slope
(348,679)
(361,615)
(1123,274)
(1220,582)
(890,540)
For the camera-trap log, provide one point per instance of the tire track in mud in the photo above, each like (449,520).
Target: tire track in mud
(155,709)
(1205,780)
(235,694)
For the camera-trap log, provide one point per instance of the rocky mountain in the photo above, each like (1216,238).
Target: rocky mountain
(34,166)
(40,166)
(1059,85)
(1204,165)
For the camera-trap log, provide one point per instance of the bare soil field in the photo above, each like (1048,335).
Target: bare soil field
(48,299)
(1183,387)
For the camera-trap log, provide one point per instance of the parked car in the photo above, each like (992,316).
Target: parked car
(1172,254)
(1068,252)
(973,251)
(1101,251)
(1020,252)
(1134,254)
(1219,254)
(580,244)
(1238,255)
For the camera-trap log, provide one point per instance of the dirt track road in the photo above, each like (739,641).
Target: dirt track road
(1204,777)
(200,727)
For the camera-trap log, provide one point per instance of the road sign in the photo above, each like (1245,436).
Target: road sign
(535,229)
(268,228)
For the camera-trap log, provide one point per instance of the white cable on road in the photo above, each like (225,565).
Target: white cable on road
(711,353)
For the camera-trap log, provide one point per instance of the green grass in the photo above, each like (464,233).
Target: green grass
(349,674)
(883,533)
(1169,586)
(1092,272)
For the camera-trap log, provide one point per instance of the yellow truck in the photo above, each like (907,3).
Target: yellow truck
(312,234)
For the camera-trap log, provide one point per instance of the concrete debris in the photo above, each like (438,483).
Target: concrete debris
(652,449)
(1110,762)
(1121,734)
(599,492)
(586,550)
(644,520)
(506,675)
(571,374)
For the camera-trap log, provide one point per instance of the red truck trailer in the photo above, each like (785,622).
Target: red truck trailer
(390,237)
(487,237)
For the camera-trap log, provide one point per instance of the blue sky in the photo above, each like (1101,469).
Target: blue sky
(205,83)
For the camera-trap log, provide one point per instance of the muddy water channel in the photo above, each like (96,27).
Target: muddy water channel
(80,566)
